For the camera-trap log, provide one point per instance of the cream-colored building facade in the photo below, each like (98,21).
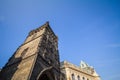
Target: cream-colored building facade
(82,72)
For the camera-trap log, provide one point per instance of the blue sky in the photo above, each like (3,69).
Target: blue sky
(88,30)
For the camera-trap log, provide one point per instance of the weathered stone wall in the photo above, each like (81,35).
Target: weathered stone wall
(24,68)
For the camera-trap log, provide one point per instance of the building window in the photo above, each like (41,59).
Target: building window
(87,79)
(24,52)
(73,77)
(78,77)
(83,78)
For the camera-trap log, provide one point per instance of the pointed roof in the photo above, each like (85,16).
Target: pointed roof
(39,28)
(46,25)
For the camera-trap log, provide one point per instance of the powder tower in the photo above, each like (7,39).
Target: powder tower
(36,59)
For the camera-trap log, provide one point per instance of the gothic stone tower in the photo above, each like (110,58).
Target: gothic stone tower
(36,59)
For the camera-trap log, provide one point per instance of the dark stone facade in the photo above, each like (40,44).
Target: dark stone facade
(36,59)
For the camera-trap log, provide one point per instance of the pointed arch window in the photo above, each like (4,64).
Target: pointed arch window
(83,78)
(78,77)
(73,77)
(24,52)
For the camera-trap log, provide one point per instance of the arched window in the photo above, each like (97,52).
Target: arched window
(73,77)
(24,52)
(78,77)
(83,78)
